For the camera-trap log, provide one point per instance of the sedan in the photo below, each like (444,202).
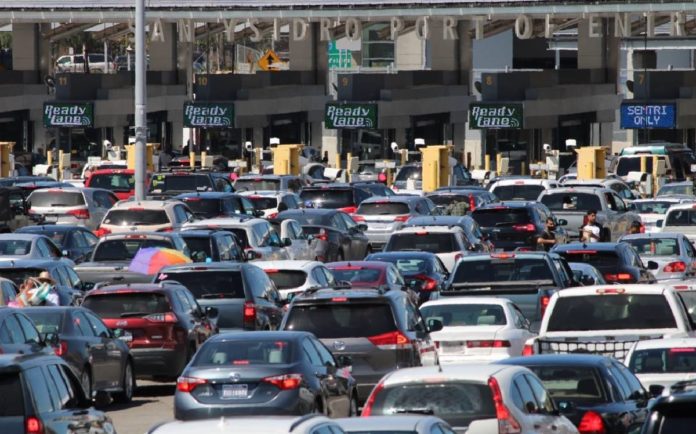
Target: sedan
(265,373)
(29,246)
(101,361)
(661,363)
(75,242)
(673,255)
(423,272)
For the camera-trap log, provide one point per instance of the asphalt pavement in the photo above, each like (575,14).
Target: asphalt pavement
(153,403)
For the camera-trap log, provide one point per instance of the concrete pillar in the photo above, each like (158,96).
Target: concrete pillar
(258,138)
(163,55)
(409,52)
(317,133)
(303,54)
(443,52)
(400,137)
(25,47)
(459,137)
(177,138)
(601,52)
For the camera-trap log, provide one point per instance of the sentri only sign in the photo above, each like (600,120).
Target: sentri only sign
(208,115)
(350,115)
(68,114)
(495,115)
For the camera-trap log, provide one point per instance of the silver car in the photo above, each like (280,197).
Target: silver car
(29,246)
(673,254)
(71,205)
(410,424)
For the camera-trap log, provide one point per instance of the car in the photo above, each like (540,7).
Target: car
(618,262)
(673,414)
(681,219)
(586,274)
(673,254)
(97,63)
(41,394)
(448,243)
(472,195)
(686,290)
(207,245)
(100,360)
(211,204)
(677,159)
(252,302)
(307,424)
(597,394)
(341,237)
(407,424)
(30,246)
(300,246)
(614,184)
(661,364)
(257,183)
(370,274)
(478,242)
(67,283)
(477,329)
(18,334)
(380,331)
(342,197)
(267,202)
(295,277)
(609,319)
(472,398)
(423,272)
(145,215)
(680,188)
(520,188)
(516,225)
(265,373)
(386,215)
(8,291)
(652,210)
(375,188)
(162,323)
(70,205)
(257,236)
(75,242)
(119,181)
(407,179)
(165,185)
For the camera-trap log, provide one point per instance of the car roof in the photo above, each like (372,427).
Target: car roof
(310,211)
(466,300)
(374,265)
(264,193)
(649,235)
(577,245)
(521,181)
(434,229)
(507,255)
(51,228)
(405,254)
(626,289)
(558,360)
(240,221)
(661,199)
(130,288)
(391,423)
(350,294)
(112,171)
(391,199)
(666,343)
(17,361)
(287,264)
(443,373)
(21,236)
(206,195)
(30,263)
(140,234)
(681,206)
(507,204)
(247,425)
(148,204)
(591,190)
(257,335)
(202,267)
(438,220)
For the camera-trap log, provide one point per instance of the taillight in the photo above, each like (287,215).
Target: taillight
(100,232)
(544,302)
(506,422)
(675,267)
(188,384)
(529,227)
(167,229)
(272,215)
(61,349)
(429,284)
(285,382)
(249,316)
(488,344)
(322,235)
(348,209)
(472,202)
(402,218)
(382,177)
(528,350)
(367,408)
(168,317)
(33,425)
(592,423)
(358,218)
(618,277)
(391,341)
(79,213)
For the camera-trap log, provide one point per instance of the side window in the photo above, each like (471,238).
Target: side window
(44,249)
(192,301)
(520,320)
(81,323)
(61,276)
(39,390)
(259,282)
(63,388)
(319,277)
(29,330)
(633,382)
(610,201)
(620,381)
(620,205)
(311,353)
(329,276)
(422,208)
(541,394)
(91,238)
(247,205)
(525,394)
(14,331)
(337,222)
(183,300)
(413,318)
(689,248)
(78,240)
(324,354)
(299,233)
(72,277)
(97,325)
(180,214)
(348,221)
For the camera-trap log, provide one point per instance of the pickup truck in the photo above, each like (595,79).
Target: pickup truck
(527,279)
(571,204)
(607,320)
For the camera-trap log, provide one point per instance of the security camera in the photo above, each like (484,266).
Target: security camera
(547,148)
(394,147)
(247,146)
(107,145)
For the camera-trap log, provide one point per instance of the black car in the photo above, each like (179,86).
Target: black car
(213,204)
(76,242)
(40,394)
(343,197)
(374,188)
(342,238)
(618,262)
(207,245)
(515,224)
(422,271)
(18,334)
(243,294)
(591,391)
(166,185)
(101,361)
(68,284)
(673,414)
(265,373)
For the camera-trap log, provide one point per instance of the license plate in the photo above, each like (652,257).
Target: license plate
(234,391)
(452,346)
(51,218)
(126,337)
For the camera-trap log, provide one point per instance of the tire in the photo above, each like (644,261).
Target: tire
(129,385)
(86,382)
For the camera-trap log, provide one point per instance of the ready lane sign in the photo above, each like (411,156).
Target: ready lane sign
(350,115)
(208,115)
(68,114)
(641,115)
(495,115)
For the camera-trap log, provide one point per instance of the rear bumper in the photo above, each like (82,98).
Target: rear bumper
(158,362)
(288,403)
(367,382)
(452,359)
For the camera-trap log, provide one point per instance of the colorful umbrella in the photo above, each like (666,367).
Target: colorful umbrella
(152,259)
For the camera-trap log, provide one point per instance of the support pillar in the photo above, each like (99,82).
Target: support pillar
(25,47)
(303,53)
(602,52)
(163,55)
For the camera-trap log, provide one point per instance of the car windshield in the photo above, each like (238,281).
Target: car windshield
(244,352)
(682,217)
(11,396)
(676,189)
(55,198)
(262,202)
(125,249)
(342,319)
(199,247)
(604,261)
(46,322)
(611,312)
(14,247)
(355,275)
(409,172)
(570,201)
(124,305)
(175,182)
(383,208)
(664,360)
(462,315)
(571,383)
(134,217)
(120,182)
(256,184)
(287,279)
(457,402)
(423,241)
(518,192)
(654,246)
(501,217)
(653,207)
(327,198)
(208,284)
(483,269)
(632,164)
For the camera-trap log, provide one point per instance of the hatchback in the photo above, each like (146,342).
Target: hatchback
(341,197)
(618,262)
(119,181)
(70,205)
(75,242)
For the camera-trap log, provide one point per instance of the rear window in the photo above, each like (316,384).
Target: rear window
(262,203)
(664,361)
(676,419)
(287,279)
(46,322)
(603,261)
(15,247)
(655,246)
(245,352)
(328,198)
(571,383)
(446,199)
(675,189)
(11,395)
(570,201)
(425,241)
(162,183)
(125,249)
(131,217)
(409,172)
(689,299)
(506,270)
(208,284)
(383,208)
(408,267)
(207,207)
(632,164)
(124,305)
(309,219)
(652,207)
(611,312)
(259,184)
(357,274)
(115,182)
(342,319)
(518,192)
(56,198)
(199,248)
(459,315)
(458,403)
(684,217)
(501,217)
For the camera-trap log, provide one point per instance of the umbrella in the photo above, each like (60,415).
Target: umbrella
(151,259)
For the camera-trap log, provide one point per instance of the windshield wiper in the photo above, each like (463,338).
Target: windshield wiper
(425,410)
(128,314)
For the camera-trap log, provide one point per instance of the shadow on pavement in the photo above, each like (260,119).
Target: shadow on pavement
(141,395)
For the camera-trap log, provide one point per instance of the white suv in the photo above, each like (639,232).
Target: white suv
(268,201)
(680,219)
(521,188)
(294,277)
(448,243)
(76,63)
(145,215)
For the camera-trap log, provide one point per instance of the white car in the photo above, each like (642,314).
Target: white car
(448,243)
(293,277)
(477,329)
(252,425)
(145,215)
(268,201)
(300,245)
(476,399)
(652,210)
(680,218)
(521,188)
(663,362)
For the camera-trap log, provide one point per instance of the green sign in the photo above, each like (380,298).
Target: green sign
(495,115)
(68,114)
(350,115)
(339,59)
(208,115)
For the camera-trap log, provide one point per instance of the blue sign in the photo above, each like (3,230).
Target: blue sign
(639,116)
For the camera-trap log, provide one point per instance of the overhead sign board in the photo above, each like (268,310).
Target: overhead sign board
(350,115)
(645,115)
(208,115)
(68,114)
(495,115)
(339,58)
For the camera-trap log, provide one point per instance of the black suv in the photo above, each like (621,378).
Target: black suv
(41,394)
(342,197)
(673,414)
(618,262)
(166,185)
(380,331)
(213,204)
(213,245)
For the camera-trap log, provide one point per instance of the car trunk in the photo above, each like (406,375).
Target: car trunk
(383,215)
(59,206)
(116,271)
(466,341)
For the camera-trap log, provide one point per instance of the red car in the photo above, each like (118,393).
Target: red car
(368,274)
(120,181)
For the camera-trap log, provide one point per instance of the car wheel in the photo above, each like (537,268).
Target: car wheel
(129,385)
(86,382)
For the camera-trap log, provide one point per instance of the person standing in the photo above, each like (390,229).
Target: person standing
(547,239)
(592,230)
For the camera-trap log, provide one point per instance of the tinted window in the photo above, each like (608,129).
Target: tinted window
(14,247)
(655,246)
(310,352)
(518,192)
(541,395)
(82,325)
(605,261)
(502,270)
(663,360)
(409,172)
(571,382)
(423,241)
(383,208)
(11,395)
(653,207)
(98,327)
(39,390)
(52,198)
(308,218)
(57,236)
(342,320)
(162,183)
(208,284)
(257,184)
(685,217)
(570,201)
(129,217)
(287,279)
(465,314)
(134,304)
(205,207)
(28,329)
(358,275)
(263,202)
(328,198)
(245,352)
(125,249)
(505,217)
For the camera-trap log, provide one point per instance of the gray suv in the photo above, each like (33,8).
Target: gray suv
(380,331)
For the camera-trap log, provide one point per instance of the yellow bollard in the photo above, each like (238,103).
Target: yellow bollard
(130,156)
(338,161)
(5,168)
(192,160)
(523,168)
(149,162)
(203,155)
(643,164)
(60,164)
(498,163)
(487,163)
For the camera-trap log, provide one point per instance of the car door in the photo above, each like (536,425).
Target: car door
(358,239)
(93,351)
(12,339)
(115,353)
(322,374)
(301,242)
(636,402)
(336,384)
(689,254)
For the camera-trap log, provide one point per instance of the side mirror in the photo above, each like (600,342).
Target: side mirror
(659,223)
(434,325)
(249,255)
(258,213)
(587,280)
(562,222)
(87,286)
(655,390)
(652,265)
(287,242)
(211,312)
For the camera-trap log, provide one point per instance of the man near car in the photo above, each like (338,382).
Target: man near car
(592,230)
(547,239)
